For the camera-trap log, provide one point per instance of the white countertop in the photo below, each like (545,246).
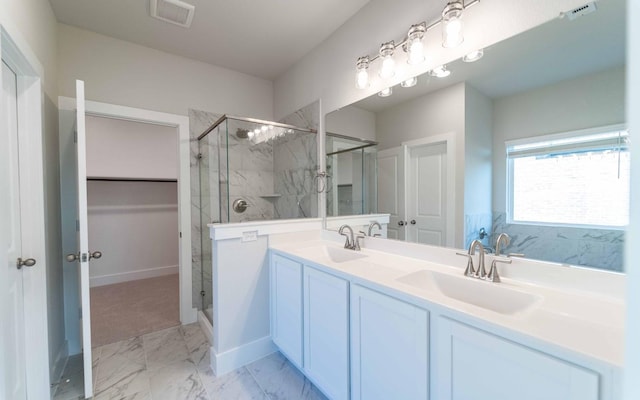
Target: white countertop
(589,324)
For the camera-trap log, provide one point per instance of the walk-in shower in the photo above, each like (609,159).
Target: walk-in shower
(252,170)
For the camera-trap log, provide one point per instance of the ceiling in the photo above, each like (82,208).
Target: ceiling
(558,50)
(258,37)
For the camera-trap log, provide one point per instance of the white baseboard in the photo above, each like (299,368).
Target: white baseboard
(57,369)
(230,360)
(133,276)
(206,326)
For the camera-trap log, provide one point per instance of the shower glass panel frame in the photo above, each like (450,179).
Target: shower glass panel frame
(269,166)
(352,167)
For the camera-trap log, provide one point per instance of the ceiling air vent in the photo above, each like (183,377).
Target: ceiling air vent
(581,11)
(172,11)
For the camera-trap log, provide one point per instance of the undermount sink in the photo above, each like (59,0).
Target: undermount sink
(334,254)
(491,296)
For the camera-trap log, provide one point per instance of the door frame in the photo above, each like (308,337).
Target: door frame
(450,140)
(188,314)
(19,56)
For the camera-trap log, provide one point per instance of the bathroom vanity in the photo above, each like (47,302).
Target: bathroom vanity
(400,321)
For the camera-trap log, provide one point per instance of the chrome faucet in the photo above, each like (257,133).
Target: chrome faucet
(350,243)
(502,238)
(349,239)
(372,225)
(480,272)
(470,271)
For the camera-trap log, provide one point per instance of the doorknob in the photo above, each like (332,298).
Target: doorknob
(95,254)
(29,262)
(76,257)
(402,223)
(72,257)
(413,222)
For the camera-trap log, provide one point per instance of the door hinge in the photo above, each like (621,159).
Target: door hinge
(202,293)
(80,312)
(77,225)
(181,235)
(75,136)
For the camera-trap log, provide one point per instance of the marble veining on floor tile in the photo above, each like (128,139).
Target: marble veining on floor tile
(164,347)
(238,384)
(177,381)
(280,380)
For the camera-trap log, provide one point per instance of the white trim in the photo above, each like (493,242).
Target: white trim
(236,230)
(222,363)
(30,120)
(565,135)
(450,140)
(356,220)
(206,326)
(128,276)
(187,313)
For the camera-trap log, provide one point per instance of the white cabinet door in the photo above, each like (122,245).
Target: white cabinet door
(326,332)
(389,347)
(473,364)
(286,307)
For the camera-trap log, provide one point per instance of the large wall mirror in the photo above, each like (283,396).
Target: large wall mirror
(528,140)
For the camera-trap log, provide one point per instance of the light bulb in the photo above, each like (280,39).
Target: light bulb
(362,73)
(387,69)
(411,82)
(264,128)
(452,24)
(414,45)
(250,134)
(385,92)
(256,131)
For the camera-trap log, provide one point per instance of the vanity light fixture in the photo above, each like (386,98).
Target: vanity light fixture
(452,24)
(473,56)
(413,46)
(440,72)
(385,92)
(388,68)
(411,82)
(413,43)
(362,73)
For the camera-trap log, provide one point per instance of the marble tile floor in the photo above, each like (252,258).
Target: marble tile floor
(173,364)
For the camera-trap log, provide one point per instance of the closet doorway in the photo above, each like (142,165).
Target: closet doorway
(132,199)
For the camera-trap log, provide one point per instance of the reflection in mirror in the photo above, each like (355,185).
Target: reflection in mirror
(351,165)
(450,163)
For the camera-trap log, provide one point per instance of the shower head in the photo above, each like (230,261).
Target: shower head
(242,133)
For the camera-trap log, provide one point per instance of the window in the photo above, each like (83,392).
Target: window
(579,178)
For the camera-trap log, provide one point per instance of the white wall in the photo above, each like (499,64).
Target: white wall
(328,71)
(135,226)
(124,73)
(437,113)
(352,121)
(33,23)
(585,102)
(127,149)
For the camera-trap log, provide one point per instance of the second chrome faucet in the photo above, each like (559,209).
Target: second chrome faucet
(480,272)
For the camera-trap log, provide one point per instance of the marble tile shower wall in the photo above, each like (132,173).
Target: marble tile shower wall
(599,248)
(472,225)
(296,165)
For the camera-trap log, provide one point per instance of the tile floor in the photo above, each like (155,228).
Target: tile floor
(173,364)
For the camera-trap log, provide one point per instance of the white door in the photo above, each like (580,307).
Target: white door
(13,332)
(427,194)
(391,197)
(84,255)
